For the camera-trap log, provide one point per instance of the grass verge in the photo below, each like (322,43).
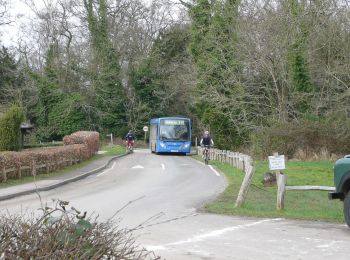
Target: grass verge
(261,201)
(111,151)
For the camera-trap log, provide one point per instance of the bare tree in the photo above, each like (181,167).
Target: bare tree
(4,12)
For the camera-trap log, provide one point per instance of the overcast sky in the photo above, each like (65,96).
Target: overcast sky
(20,13)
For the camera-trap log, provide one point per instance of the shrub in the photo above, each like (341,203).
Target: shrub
(59,233)
(312,136)
(91,139)
(10,132)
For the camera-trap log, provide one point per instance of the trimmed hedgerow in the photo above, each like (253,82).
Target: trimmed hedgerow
(89,138)
(79,147)
(10,132)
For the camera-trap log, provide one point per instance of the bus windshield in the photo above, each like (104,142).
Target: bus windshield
(174,130)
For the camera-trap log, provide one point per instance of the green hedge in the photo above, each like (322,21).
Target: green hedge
(10,132)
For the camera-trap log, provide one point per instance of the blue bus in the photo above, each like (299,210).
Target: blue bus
(170,135)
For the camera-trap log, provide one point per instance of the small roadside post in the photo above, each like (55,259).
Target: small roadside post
(111,135)
(145,129)
(277,163)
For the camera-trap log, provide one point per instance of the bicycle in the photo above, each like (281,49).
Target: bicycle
(129,146)
(206,154)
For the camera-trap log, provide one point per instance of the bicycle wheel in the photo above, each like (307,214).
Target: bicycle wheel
(206,158)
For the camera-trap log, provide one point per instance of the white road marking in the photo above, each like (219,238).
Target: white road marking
(138,167)
(329,245)
(163,167)
(209,235)
(212,168)
(106,170)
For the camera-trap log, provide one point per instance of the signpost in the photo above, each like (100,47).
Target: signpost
(145,129)
(278,163)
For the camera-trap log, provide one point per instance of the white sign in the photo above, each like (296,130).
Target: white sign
(277,163)
(145,128)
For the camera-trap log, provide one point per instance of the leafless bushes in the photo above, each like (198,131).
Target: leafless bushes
(306,139)
(59,233)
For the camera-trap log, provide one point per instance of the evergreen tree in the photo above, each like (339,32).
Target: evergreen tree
(58,113)
(164,81)
(10,132)
(297,61)
(105,70)
(221,96)
(9,76)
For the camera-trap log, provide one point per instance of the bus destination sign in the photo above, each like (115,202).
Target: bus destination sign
(174,122)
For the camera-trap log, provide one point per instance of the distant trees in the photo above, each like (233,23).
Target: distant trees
(77,58)
(4,12)
(10,77)
(164,81)
(239,68)
(263,64)
(221,101)
(104,70)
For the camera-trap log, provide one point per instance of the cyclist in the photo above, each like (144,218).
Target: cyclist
(206,141)
(129,139)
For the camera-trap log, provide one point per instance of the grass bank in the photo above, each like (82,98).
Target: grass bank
(261,201)
(110,151)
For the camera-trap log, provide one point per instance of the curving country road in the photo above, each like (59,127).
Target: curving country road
(167,191)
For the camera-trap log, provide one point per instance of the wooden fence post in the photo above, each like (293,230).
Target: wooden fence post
(33,168)
(4,175)
(241,164)
(245,186)
(281,190)
(19,172)
(47,167)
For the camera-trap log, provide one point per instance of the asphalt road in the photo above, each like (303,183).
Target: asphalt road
(165,194)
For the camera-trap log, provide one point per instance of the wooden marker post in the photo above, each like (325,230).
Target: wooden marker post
(276,164)
(281,191)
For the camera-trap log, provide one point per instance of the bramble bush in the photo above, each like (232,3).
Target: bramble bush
(60,232)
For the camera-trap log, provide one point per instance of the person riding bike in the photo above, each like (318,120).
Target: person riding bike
(206,141)
(130,139)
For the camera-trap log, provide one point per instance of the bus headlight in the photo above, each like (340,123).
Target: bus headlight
(186,145)
(162,145)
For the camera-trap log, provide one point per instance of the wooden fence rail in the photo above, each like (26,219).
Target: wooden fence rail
(238,160)
(325,188)
(245,163)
